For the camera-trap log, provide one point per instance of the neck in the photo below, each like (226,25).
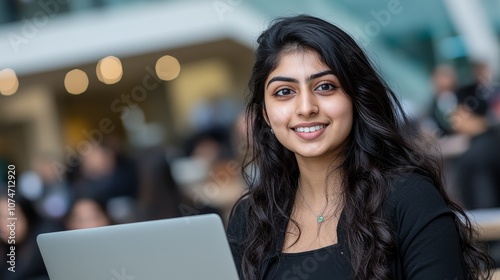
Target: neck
(318,182)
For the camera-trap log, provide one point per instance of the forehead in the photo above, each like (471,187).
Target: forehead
(297,62)
(306,55)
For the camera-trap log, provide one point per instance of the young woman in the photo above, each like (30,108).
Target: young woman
(343,191)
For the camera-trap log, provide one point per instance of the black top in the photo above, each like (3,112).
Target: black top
(427,240)
(316,264)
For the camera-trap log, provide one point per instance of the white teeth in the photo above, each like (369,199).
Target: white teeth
(310,128)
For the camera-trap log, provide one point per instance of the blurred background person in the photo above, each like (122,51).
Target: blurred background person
(47,187)
(477,171)
(495,104)
(28,260)
(207,173)
(107,174)
(159,195)
(87,212)
(482,84)
(443,101)
(436,122)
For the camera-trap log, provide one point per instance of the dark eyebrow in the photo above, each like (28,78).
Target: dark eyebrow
(320,74)
(283,79)
(288,79)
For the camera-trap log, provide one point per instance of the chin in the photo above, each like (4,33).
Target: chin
(310,154)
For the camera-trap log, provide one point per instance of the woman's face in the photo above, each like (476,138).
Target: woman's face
(306,107)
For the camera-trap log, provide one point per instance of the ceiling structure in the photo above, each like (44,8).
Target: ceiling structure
(404,38)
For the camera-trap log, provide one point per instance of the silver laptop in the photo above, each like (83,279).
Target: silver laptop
(189,248)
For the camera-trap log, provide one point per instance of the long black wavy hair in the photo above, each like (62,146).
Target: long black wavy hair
(379,147)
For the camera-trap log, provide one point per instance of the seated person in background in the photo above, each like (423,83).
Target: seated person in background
(159,196)
(46,187)
(108,174)
(477,171)
(87,213)
(444,100)
(28,260)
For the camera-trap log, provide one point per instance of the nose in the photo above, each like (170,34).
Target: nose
(307,104)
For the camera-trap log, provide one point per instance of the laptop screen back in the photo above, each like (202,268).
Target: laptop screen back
(189,248)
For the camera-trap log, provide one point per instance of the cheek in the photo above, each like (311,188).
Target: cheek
(278,116)
(340,111)
(342,117)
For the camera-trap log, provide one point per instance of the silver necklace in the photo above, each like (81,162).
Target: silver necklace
(319,218)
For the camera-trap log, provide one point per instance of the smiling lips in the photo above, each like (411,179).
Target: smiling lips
(309,129)
(309,132)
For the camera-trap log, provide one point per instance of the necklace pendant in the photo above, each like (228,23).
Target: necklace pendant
(320,219)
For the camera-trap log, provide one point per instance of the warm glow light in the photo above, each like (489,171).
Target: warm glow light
(109,70)
(167,68)
(76,81)
(8,82)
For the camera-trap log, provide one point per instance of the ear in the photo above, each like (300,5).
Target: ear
(264,114)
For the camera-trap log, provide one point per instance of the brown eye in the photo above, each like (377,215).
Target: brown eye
(283,92)
(326,87)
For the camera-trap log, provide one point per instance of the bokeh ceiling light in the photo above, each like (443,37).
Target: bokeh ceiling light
(76,81)
(167,68)
(109,70)
(8,82)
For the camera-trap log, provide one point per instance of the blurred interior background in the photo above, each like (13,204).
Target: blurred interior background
(43,40)
(136,105)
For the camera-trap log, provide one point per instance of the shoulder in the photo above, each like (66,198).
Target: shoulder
(413,198)
(413,203)
(412,189)
(427,236)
